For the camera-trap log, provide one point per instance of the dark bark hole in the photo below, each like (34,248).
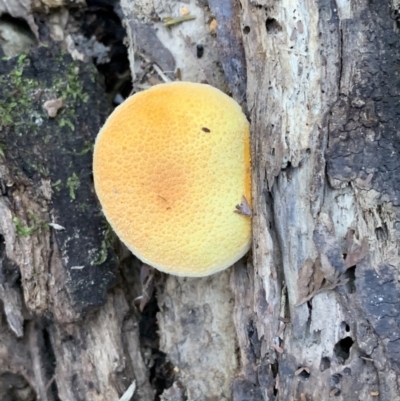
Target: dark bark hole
(324,364)
(50,366)
(100,19)
(162,374)
(304,374)
(246,30)
(268,383)
(381,233)
(345,326)
(2,247)
(396,17)
(347,371)
(199,51)
(274,369)
(272,26)
(9,272)
(350,275)
(335,379)
(252,335)
(288,168)
(342,349)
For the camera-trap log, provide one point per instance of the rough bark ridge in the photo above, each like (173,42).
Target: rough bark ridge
(323,94)
(309,315)
(314,314)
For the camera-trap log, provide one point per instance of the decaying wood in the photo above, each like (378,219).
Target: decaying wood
(318,119)
(306,86)
(230,46)
(56,261)
(312,313)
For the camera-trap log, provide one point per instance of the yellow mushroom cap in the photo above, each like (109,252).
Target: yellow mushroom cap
(170,165)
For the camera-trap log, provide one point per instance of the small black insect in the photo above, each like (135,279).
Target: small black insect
(205,129)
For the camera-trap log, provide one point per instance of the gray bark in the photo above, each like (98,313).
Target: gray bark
(312,313)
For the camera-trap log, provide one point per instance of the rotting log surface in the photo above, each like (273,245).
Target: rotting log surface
(54,340)
(314,315)
(323,88)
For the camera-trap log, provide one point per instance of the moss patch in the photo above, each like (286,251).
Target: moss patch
(35,224)
(39,149)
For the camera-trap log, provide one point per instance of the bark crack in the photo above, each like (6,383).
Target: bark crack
(340,58)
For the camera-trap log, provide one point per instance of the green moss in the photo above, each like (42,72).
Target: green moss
(62,122)
(57,185)
(83,207)
(42,149)
(73,184)
(108,240)
(38,224)
(87,147)
(24,230)
(109,235)
(21,111)
(70,88)
(102,255)
(15,93)
(19,91)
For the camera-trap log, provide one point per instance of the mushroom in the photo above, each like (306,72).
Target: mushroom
(170,165)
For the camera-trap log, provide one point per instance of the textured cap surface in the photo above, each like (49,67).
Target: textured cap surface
(170,165)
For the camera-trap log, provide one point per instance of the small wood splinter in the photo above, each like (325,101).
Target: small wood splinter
(170,21)
(244,208)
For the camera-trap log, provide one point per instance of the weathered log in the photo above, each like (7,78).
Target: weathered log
(57,262)
(312,313)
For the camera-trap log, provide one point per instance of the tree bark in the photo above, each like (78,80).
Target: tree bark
(312,313)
